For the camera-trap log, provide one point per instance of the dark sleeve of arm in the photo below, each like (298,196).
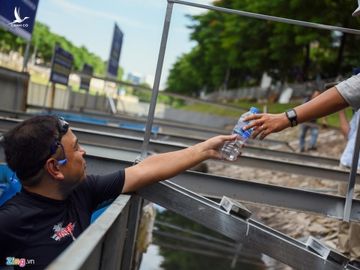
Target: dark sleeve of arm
(105,187)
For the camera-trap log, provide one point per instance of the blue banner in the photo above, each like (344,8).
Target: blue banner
(61,66)
(115,51)
(18,16)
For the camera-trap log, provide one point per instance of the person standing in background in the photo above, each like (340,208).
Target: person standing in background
(312,126)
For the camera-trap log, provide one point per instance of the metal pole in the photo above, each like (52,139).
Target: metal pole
(26,55)
(45,95)
(66,97)
(129,253)
(354,166)
(270,18)
(52,99)
(157,80)
(104,92)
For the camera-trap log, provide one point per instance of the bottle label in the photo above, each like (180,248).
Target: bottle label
(243,133)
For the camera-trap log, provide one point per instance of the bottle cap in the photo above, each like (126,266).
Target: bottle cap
(254,110)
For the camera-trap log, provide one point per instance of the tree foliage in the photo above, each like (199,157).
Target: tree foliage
(233,51)
(43,43)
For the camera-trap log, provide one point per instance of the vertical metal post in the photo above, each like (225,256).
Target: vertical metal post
(129,253)
(352,178)
(66,98)
(155,90)
(46,95)
(52,98)
(26,56)
(86,100)
(105,93)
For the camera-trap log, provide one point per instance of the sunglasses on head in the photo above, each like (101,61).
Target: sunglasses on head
(63,127)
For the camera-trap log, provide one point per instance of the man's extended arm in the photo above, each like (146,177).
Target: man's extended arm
(164,166)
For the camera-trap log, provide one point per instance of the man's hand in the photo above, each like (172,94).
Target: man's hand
(211,147)
(264,124)
(166,165)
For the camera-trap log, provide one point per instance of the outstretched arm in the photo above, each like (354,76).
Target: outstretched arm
(164,166)
(328,102)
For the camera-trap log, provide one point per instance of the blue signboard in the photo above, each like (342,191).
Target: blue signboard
(61,66)
(85,80)
(18,16)
(115,51)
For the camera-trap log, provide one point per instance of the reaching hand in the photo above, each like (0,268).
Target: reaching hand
(211,147)
(264,124)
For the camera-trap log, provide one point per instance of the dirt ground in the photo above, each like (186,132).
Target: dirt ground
(293,223)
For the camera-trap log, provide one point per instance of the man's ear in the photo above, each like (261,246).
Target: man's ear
(53,168)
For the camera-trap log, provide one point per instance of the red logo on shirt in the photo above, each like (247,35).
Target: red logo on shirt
(61,232)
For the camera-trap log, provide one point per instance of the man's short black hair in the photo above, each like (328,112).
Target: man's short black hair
(28,145)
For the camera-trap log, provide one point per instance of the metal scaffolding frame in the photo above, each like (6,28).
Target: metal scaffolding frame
(168,128)
(99,162)
(165,33)
(131,143)
(124,142)
(101,145)
(287,250)
(249,233)
(208,246)
(178,137)
(352,177)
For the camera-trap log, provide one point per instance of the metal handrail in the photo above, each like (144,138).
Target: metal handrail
(94,249)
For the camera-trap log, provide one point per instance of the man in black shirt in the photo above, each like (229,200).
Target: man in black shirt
(58,198)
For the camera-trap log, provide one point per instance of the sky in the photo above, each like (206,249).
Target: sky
(90,23)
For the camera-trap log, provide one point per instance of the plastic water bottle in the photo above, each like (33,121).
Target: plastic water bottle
(231,150)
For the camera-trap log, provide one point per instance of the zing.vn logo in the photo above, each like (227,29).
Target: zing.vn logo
(18,22)
(20,262)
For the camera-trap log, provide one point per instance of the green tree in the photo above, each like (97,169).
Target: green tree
(43,43)
(233,51)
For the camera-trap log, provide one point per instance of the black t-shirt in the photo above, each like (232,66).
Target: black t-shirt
(34,229)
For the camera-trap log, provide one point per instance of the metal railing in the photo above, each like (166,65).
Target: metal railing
(109,243)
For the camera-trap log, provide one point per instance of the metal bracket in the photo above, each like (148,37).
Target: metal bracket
(250,233)
(234,207)
(326,252)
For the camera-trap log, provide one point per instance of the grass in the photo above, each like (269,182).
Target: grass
(211,109)
(331,120)
(230,112)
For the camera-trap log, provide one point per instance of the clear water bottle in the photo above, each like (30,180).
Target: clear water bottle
(231,150)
